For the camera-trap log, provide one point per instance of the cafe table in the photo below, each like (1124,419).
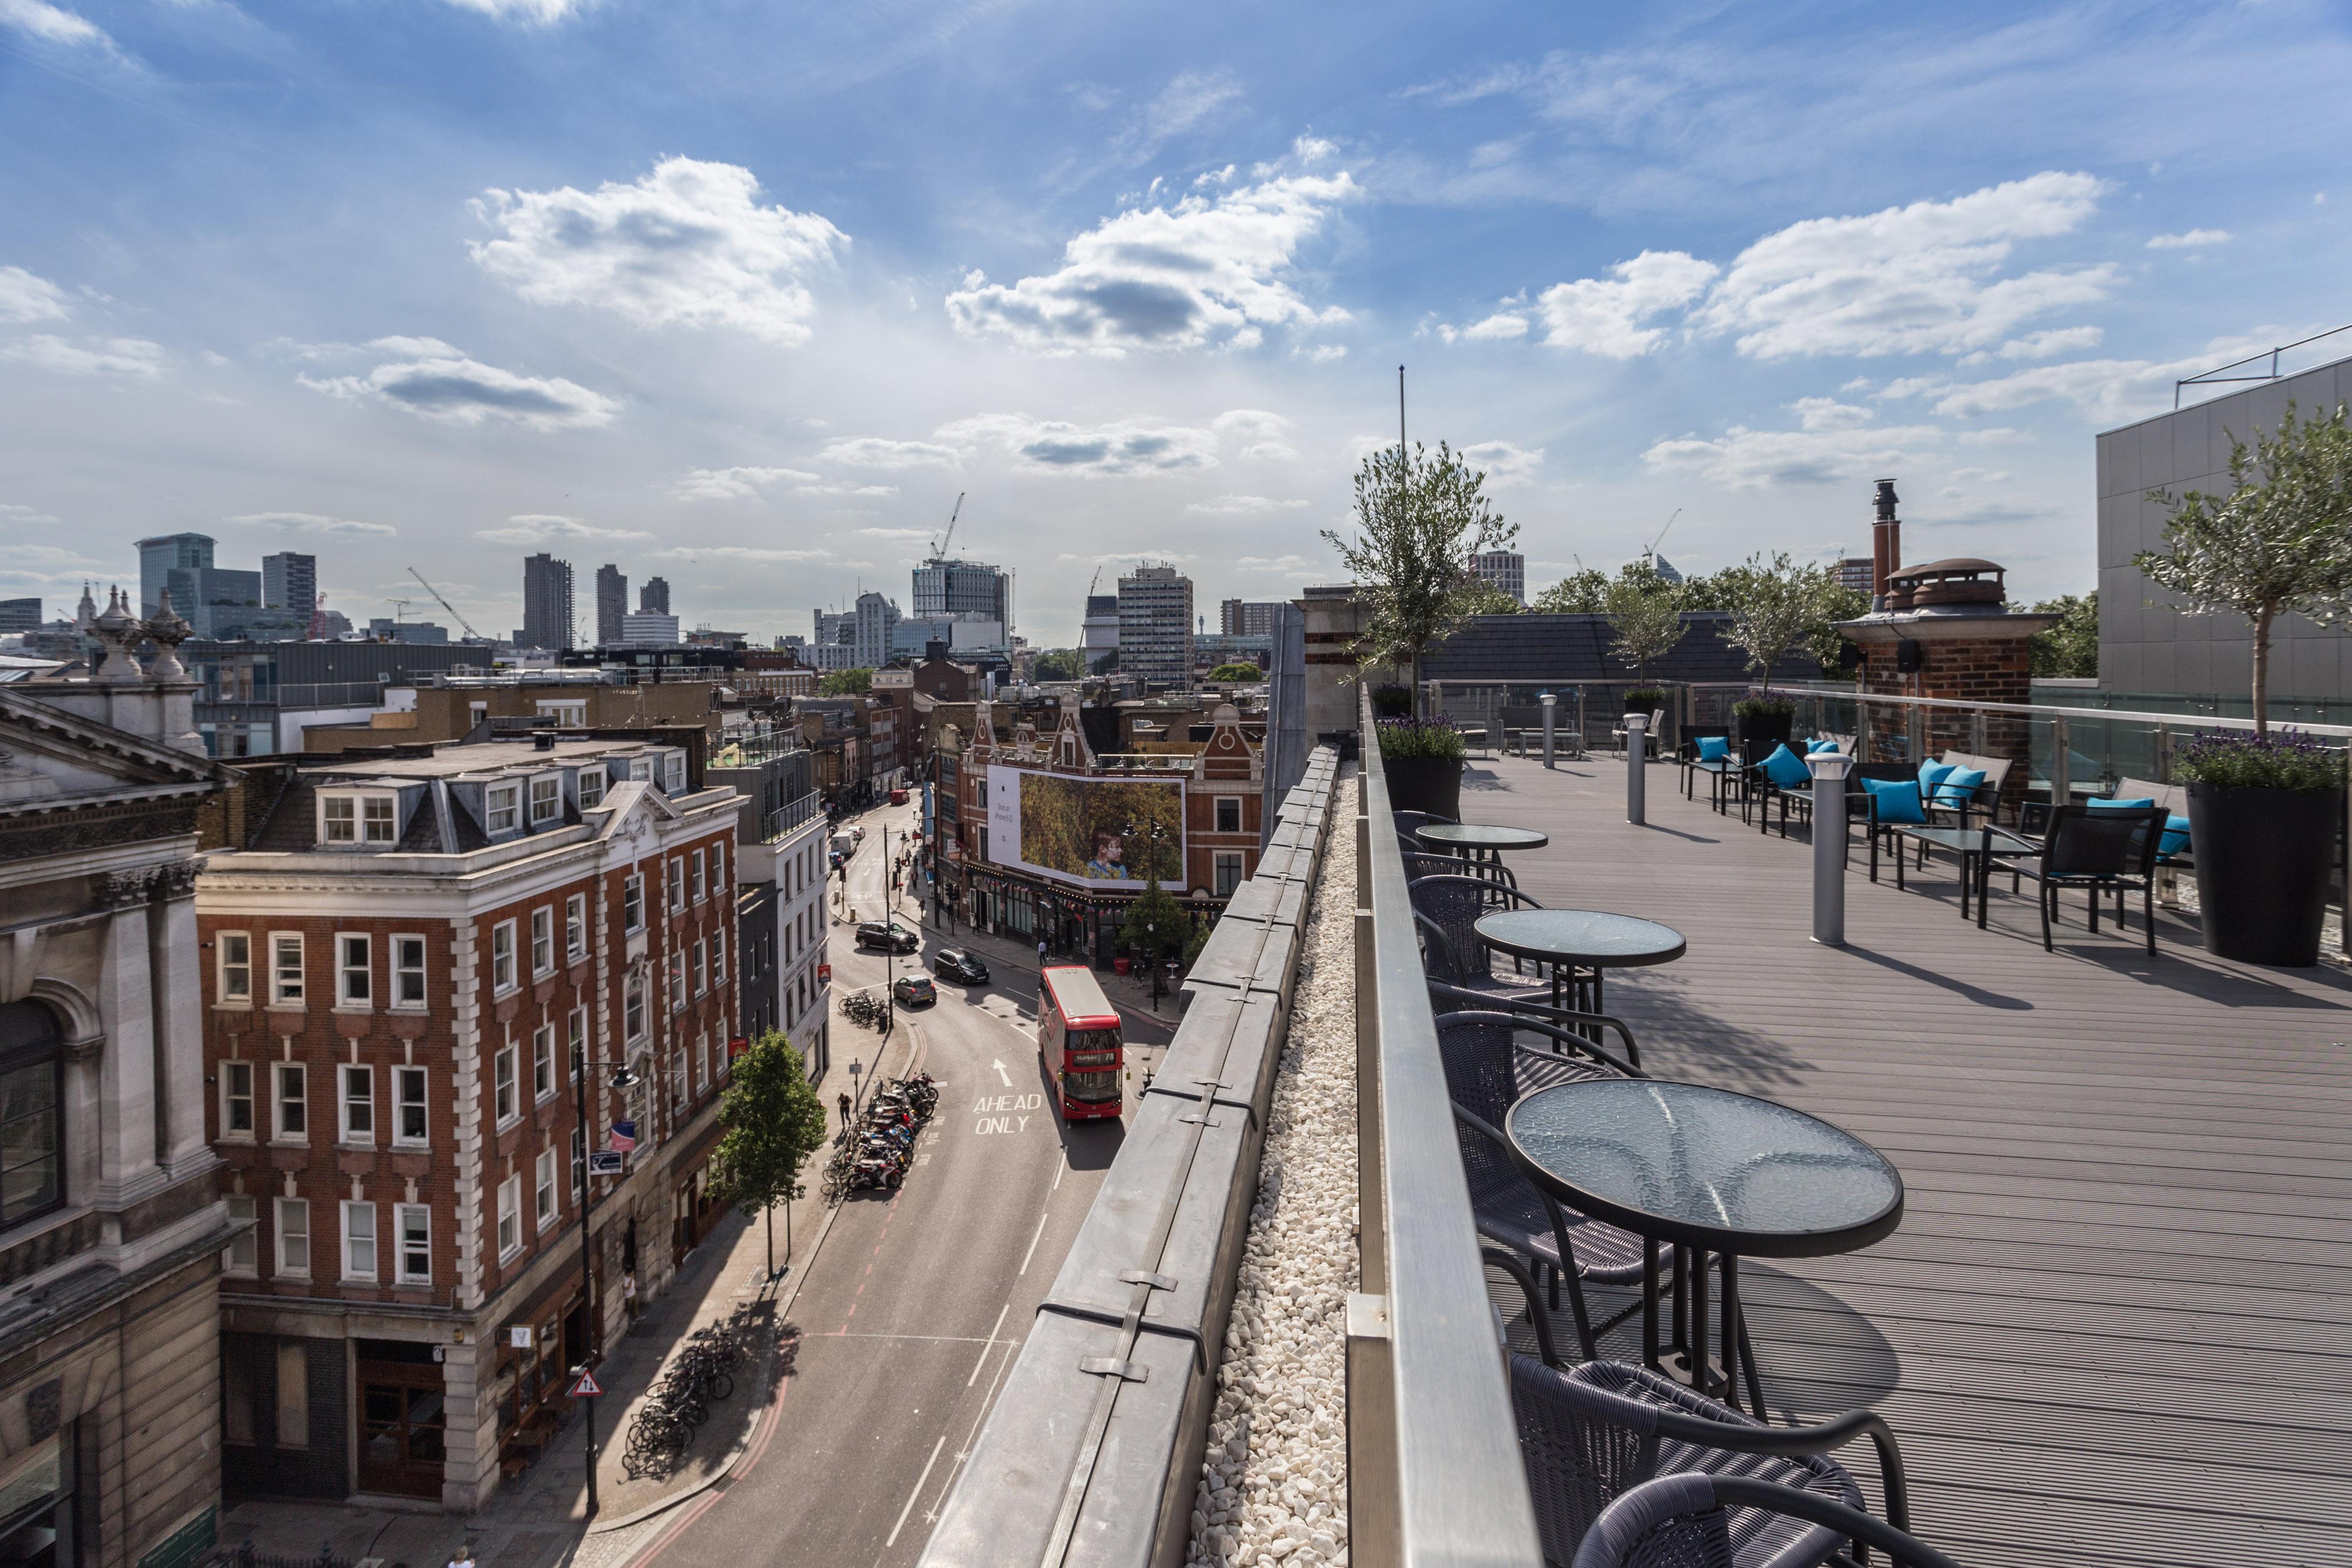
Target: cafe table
(1711,1173)
(1579,944)
(1479,844)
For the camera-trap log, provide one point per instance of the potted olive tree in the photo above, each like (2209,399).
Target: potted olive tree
(2263,809)
(1422,761)
(1777,608)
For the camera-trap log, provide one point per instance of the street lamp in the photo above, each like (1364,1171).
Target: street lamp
(1153,834)
(623,1081)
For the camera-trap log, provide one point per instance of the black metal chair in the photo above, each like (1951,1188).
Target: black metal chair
(1487,1070)
(2099,852)
(1720,772)
(1687,1521)
(1590,1434)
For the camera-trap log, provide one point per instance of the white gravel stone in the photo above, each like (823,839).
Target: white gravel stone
(1273,1484)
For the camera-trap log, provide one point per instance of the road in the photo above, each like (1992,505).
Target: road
(914,1308)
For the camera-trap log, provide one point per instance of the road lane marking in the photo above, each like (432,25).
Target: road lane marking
(911,1496)
(1001,1073)
(991,1345)
(1025,1257)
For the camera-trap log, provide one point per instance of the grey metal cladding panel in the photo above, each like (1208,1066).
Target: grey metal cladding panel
(2192,441)
(1228,959)
(1141,1495)
(2104,460)
(1004,1504)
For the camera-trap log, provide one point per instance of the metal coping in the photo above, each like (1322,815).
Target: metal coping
(1461,1487)
(1093,1447)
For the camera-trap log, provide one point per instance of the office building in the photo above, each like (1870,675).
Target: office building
(964,588)
(1854,572)
(20,615)
(653,599)
(1099,632)
(874,618)
(612,603)
(648,630)
(397,1109)
(546,603)
(289,582)
(1248,617)
(1155,625)
(161,556)
(385,629)
(1505,568)
(909,638)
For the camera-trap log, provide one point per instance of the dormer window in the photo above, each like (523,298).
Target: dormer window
(641,768)
(356,820)
(547,799)
(501,808)
(592,786)
(676,781)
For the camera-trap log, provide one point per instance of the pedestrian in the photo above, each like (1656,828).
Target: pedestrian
(463,1557)
(629,1306)
(1041,952)
(845,1110)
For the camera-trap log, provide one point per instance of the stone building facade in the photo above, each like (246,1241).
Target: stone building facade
(416,964)
(111,1228)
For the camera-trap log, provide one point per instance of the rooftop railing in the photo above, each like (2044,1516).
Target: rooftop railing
(785,819)
(1435,1475)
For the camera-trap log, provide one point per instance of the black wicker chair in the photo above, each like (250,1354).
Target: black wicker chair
(1688,1521)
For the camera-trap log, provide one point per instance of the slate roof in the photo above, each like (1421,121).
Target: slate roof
(1568,648)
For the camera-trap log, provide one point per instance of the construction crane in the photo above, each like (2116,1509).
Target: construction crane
(1650,550)
(444,603)
(1095,584)
(940,544)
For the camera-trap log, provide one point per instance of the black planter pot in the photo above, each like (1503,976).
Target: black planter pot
(2264,860)
(1770,728)
(1431,784)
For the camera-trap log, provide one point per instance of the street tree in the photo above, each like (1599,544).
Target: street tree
(772,1123)
(2279,543)
(1779,608)
(1585,592)
(845,682)
(1645,616)
(1059,664)
(2071,648)
(1419,519)
(1238,670)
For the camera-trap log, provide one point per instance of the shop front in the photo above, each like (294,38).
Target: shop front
(404,1417)
(537,1351)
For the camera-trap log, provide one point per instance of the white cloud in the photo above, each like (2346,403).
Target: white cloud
(876,452)
(1994,436)
(133,357)
(437,381)
(1980,475)
(26,298)
(1319,353)
(547,528)
(2193,239)
(1206,270)
(733,483)
(12,513)
(1836,440)
(1265,436)
(1055,446)
(1604,316)
(843,487)
(1503,326)
(1503,462)
(1283,565)
(1242,505)
(1188,100)
(540,11)
(1907,280)
(51,23)
(2050,344)
(689,244)
(313,523)
(753,554)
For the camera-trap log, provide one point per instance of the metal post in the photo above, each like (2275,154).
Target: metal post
(1551,713)
(587,1279)
(2062,758)
(1830,770)
(1637,766)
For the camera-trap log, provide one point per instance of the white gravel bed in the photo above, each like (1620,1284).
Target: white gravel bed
(1273,1481)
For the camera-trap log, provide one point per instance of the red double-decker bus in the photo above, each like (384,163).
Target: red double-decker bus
(1077,1037)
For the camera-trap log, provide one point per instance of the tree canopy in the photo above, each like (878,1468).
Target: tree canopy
(2071,648)
(1645,613)
(1778,608)
(1582,593)
(1059,664)
(773,1122)
(1418,521)
(1238,670)
(2279,543)
(845,682)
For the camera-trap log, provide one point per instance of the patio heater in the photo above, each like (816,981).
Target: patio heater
(1829,769)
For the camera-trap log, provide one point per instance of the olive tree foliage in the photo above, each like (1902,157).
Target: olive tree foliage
(1418,521)
(1585,592)
(773,1120)
(1645,615)
(2279,543)
(1778,608)
(2071,648)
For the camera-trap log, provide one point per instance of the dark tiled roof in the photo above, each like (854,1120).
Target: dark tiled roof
(1580,648)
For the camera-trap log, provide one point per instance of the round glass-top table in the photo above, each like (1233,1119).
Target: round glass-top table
(1465,837)
(1706,1171)
(1578,943)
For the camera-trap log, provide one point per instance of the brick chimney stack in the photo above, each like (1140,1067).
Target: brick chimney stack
(1885,544)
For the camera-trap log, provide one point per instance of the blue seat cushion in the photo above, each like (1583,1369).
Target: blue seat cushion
(1787,770)
(1958,787)
(2175,836)
(1714,747)
(1895,800)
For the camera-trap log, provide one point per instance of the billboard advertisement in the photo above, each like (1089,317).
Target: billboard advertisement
(1096,833)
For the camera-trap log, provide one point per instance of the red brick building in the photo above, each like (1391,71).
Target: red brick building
(407,957)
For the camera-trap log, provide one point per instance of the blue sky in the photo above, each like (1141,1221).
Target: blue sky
(745,294)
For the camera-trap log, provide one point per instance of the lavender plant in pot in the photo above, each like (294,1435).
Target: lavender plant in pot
(1422,761)
(2262,814)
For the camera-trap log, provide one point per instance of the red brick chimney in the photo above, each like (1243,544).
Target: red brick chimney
(1885,544)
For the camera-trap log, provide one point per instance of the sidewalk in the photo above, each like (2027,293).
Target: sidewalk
(540,1519)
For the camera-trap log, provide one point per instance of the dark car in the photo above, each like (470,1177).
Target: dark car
(892,937)
(912,988)
(954,964)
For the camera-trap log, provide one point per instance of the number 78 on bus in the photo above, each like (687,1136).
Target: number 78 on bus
(1078,1043)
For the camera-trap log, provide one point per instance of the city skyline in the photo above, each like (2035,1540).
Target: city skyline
(1739,263)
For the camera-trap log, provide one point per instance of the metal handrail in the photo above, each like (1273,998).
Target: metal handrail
(2042,710)
(786,818)
(2215,378)
(1435,1474)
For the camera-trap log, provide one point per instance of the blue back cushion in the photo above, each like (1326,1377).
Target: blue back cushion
(1895,799)
(1816,747)
(2120,805)
(1786,768)
(1932,774)
(1958,787)
(1713,747)
(2175,836)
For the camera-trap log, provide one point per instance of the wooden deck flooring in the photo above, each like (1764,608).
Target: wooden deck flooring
(2115,1325)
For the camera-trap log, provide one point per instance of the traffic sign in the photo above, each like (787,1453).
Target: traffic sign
(587,1388)
(605,1161)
